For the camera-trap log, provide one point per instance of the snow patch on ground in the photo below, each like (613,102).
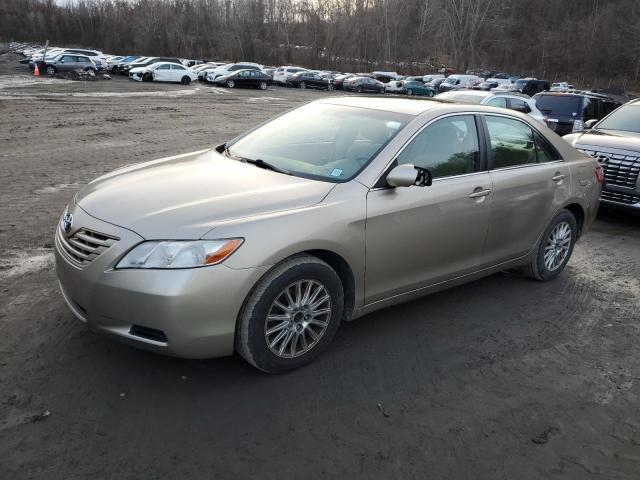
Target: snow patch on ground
(12,81)
(17,263)
(59,187)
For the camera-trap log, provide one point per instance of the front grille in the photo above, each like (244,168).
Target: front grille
(626,198)
(84,246)
(622,170)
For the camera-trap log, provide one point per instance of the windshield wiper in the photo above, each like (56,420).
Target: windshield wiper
(266,165)
(258,162)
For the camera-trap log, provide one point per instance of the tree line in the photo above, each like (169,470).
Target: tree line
(590,42)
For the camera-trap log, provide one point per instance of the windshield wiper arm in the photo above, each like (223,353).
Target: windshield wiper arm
(258,162)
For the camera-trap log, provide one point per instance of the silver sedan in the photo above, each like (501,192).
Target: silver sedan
(338,208)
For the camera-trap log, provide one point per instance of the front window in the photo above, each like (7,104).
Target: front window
(322,141)
(446,147)
(626,119)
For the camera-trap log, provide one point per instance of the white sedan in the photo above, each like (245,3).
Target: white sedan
(510,100)
(163,72)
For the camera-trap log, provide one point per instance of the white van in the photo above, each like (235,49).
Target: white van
(456,81)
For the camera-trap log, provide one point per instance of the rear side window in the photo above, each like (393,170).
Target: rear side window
(519,105)
(515,143)
(512,142)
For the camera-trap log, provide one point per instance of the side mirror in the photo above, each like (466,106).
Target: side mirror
(407,175)
(589,124)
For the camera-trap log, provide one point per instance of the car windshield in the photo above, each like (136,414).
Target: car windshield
(569,105)
(461,97)
(626,119)
(321,141)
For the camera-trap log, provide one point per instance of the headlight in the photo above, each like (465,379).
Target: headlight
(179,254)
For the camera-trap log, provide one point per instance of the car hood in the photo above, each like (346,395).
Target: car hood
(186,196)
(139,69)
(610,139)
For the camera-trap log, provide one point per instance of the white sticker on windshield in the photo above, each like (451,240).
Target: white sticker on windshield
(393,125)
(336,172)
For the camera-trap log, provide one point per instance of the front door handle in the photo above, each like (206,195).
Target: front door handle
(558,177)
(479,193)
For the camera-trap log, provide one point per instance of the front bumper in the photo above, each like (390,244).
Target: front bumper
(195,310)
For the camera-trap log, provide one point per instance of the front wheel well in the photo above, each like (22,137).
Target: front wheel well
(345,273)
(578,213)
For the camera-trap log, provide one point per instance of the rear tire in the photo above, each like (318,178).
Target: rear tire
(303,85)
(329,88)
(409,92)
(359,89)
(263,85)
(305,330)
(555,248)
(185,80)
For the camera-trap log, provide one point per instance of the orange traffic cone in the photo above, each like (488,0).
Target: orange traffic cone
(36,72)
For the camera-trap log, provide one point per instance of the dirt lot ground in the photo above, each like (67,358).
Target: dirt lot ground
(503,378)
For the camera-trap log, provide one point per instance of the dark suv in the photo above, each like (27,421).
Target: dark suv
(567,112)
(615,142)
(531,86)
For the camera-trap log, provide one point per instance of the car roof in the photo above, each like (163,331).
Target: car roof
(397,105)
(577,94)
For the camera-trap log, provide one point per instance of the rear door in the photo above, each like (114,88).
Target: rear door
(530,183)
(419,236)
(177,72)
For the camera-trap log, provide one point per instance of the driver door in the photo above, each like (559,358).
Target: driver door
(420,236)
(162,73)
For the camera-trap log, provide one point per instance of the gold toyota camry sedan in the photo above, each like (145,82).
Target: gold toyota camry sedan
(337,208)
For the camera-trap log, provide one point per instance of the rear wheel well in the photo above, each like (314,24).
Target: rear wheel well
(578,213)
(345,273)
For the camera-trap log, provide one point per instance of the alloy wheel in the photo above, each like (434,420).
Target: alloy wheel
(557,247)
(230,84)
(298,318)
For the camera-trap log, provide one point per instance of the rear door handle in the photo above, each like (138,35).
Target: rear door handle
(480,193)
(558,177)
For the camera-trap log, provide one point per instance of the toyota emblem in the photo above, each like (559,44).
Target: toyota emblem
(67,222)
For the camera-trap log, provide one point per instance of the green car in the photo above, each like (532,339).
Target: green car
(413,87)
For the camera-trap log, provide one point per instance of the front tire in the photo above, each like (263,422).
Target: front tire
(303,85)
(359,89)
(230,83)
(51,70)
(409,92)
(291,315)
(555,248)
(185,80)
(147,77)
